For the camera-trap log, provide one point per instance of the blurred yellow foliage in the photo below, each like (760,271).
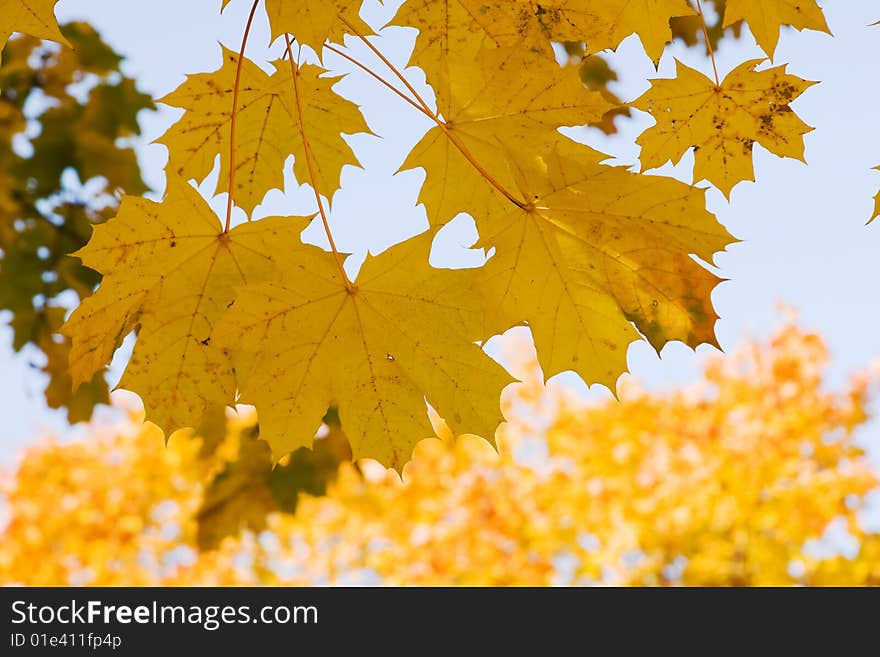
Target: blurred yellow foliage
(733,481)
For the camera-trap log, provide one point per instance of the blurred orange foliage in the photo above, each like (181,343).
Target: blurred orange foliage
(737,480)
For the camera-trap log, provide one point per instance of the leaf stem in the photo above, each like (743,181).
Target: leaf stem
(433,115)
(294,71)
(386,61)
(708,43)
(378,77)
(230,201)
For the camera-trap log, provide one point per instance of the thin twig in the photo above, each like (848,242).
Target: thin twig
(294,70)
(708,43)
(230,201)
(378,77)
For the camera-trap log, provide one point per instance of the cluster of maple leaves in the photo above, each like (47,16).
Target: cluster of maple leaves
(590,256)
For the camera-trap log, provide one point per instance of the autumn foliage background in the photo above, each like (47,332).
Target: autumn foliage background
(751,476)
(754,475)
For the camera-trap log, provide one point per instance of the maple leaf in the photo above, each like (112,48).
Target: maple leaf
(404,333)
(250,487)
(33,17)
(170,272)
(267,128)
(723,123)
(489,115)
(451,32)
(238,497)
(594,286)
(313,23)
(450,28)
(598,248)
(603,24)
(766,18)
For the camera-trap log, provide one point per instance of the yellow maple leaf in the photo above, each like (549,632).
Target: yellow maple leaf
(169,272)
(267,128)
(723,123)
(766,18)
(313,23)
(33,17)
(598,272)
(451,34)
(603,24)
(450,28)
(489,116)
(401,335)
(597,249)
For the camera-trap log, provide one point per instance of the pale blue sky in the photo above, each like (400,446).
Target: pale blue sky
(803,227)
